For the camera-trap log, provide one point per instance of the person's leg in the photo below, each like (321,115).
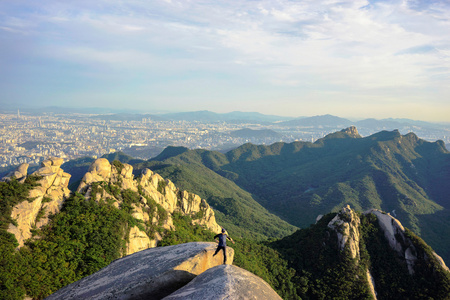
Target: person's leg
(217,250)
(224,255)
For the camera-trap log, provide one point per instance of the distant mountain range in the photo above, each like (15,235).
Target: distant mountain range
(325,120)
(248,133)
(366,126)
(196,116)
(235,116)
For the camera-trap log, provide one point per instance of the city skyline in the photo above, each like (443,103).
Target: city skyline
(354,59)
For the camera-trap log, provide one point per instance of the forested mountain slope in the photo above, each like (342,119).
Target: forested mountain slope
(345,255)
(401,174)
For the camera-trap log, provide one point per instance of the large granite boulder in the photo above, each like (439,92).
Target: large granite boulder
(225,282)
(149,274)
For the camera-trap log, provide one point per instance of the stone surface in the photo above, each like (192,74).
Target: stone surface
(391,227)
(352,131)
(371,285)
(156,189)
(393,231)
(149,274)
(225,282)
(19,173)
(53,188)
(346,224)
(441,262)
(138,241)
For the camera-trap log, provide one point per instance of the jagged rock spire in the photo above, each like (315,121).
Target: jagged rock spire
(352,131)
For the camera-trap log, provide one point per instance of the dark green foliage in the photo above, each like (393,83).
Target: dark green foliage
(171,151)
(301,180)
(185,232)
(433,280)
(77,168)
(82,238)
(119,166)
(267,263)
(322,270)
(390,272)
(162,186)
(235,208)
(121,157)
(11,194)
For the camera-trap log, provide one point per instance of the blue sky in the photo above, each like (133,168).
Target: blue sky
(350,58)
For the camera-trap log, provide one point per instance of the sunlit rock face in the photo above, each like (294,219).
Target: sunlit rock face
(150,274)
(45,199)
(346,224)
(152,186)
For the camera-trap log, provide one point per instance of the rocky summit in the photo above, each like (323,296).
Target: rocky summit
(149,274)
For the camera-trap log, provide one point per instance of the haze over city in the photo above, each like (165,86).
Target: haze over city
(352,58)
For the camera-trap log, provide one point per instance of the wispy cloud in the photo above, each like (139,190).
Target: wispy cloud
(339,49)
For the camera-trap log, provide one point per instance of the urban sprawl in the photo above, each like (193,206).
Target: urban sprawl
(31,139)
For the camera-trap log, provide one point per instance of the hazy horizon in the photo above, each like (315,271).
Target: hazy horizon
(355,59)
(33,110)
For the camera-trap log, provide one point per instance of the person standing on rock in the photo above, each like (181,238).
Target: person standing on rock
(222,239)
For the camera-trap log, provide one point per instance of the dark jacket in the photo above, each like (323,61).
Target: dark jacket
(222,239)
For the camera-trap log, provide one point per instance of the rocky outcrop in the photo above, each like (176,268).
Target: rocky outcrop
(149,274)
(158,200)
(346,224)
(225,282)
(440,261)
(153,190)
(20,173)
(45,199)
(371,284)
(390,226)
(352,131)
(394,232)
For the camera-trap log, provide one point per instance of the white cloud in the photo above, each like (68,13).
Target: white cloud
(331,46)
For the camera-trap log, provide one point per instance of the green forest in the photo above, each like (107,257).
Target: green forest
(261,195)
(87,235)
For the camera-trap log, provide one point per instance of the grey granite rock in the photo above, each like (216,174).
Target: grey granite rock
(149,274)
(225,282)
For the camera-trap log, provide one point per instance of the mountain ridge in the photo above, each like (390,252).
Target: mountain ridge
(300,180)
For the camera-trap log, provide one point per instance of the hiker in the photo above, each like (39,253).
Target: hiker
(222,244)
